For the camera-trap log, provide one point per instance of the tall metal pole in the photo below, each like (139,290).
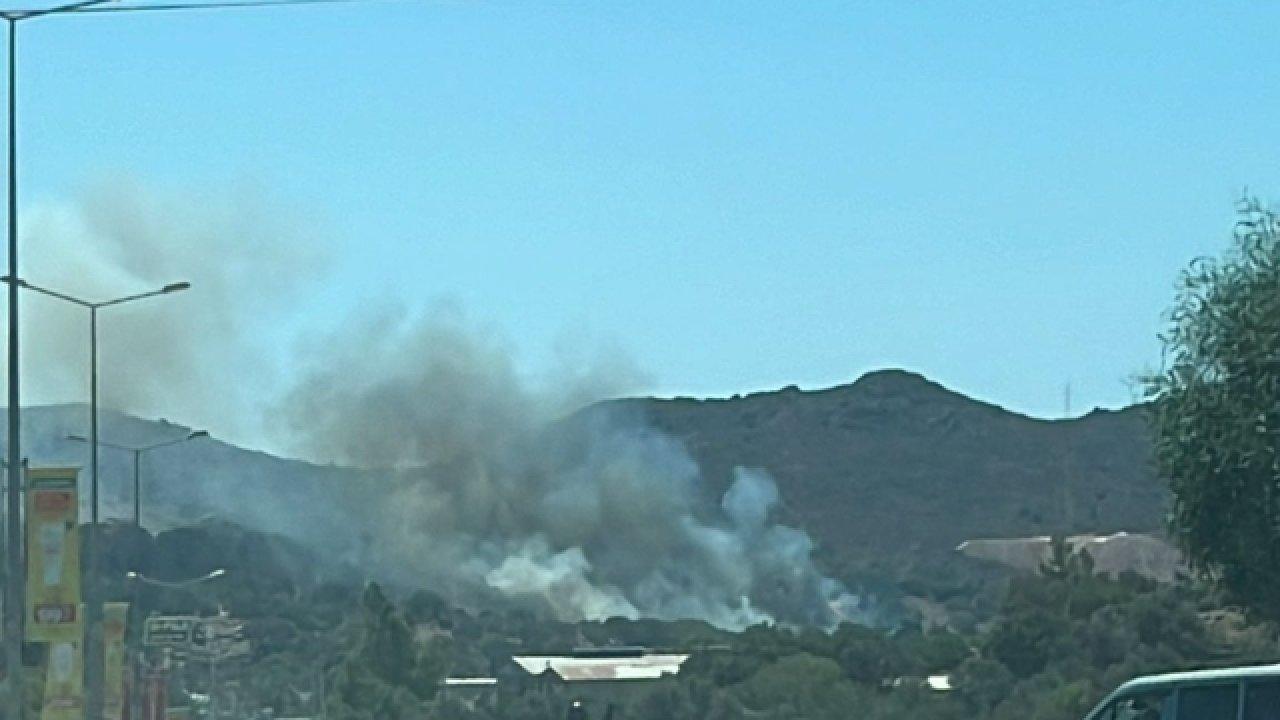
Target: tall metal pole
(133,604)
(136,452)
(213,685)
(137,490)
(15,599)
(136,655)
(93,655)
(93,638)
(324,706)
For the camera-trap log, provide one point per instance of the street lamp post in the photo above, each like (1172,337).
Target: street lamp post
(175,584)
(93,617)
(138,452)
(15,586)
(135,701)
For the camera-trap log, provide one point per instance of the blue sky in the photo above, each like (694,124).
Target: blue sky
(740,195)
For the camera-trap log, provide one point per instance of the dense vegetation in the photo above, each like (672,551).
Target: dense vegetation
(1216,412)
(1042,646)
(868,468)
(1059,641)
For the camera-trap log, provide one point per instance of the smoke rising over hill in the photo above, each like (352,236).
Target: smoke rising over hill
(474,482)
(489,488)
(198,355)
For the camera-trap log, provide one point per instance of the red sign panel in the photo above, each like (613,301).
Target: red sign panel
(52,501)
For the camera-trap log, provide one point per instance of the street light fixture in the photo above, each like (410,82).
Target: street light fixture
(138,653)
(15,586)
(93,616)
(139,660)
(138,451)
(175,584)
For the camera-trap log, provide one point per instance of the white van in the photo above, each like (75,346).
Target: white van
(1240,693)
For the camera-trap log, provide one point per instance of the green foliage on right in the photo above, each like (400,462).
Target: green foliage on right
(1215,412)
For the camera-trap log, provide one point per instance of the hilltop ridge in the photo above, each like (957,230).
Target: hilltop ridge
(891,472)
(887,474)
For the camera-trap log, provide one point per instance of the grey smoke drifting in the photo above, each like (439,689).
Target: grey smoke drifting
(477,480)
(200,355)
(487,487)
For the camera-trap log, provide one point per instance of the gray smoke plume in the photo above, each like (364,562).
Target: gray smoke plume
(475,479)
(486,486)
(201,355)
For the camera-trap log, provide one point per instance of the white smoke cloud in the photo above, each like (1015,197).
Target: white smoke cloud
(203,355)
(560,580)
(747,502)
(486,486)
(479,477)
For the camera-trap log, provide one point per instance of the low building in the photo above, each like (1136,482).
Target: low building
(937,683)
(576,668)
(600,676)
(472,691)
(1145,555)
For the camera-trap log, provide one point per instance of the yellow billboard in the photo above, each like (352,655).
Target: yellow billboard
(114,617)
(64,681)
(53,556)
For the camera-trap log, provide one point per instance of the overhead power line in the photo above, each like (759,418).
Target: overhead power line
(105,6)
(212,5)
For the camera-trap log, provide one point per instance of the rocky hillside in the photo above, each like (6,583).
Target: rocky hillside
(890,473)
(182,482)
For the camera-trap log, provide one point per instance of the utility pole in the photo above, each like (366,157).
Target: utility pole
(136,579)
(93,652)
(138,451)
(213,687)
(15,585)
(324,706)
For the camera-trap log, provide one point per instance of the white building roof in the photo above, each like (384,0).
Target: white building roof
(586,669)
(469,681)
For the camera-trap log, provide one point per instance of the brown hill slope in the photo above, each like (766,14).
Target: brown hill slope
(890,473)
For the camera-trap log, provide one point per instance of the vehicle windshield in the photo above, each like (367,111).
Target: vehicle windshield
(1147,705)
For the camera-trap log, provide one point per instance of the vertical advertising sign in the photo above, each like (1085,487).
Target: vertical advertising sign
(64,682)
(114,617)
(53,556)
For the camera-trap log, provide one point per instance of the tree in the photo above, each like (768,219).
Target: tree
(385,676)
(665,702)
(802,686)
(1215,412)
(867,655)
(1028,639)
(386,647)
(981,683)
